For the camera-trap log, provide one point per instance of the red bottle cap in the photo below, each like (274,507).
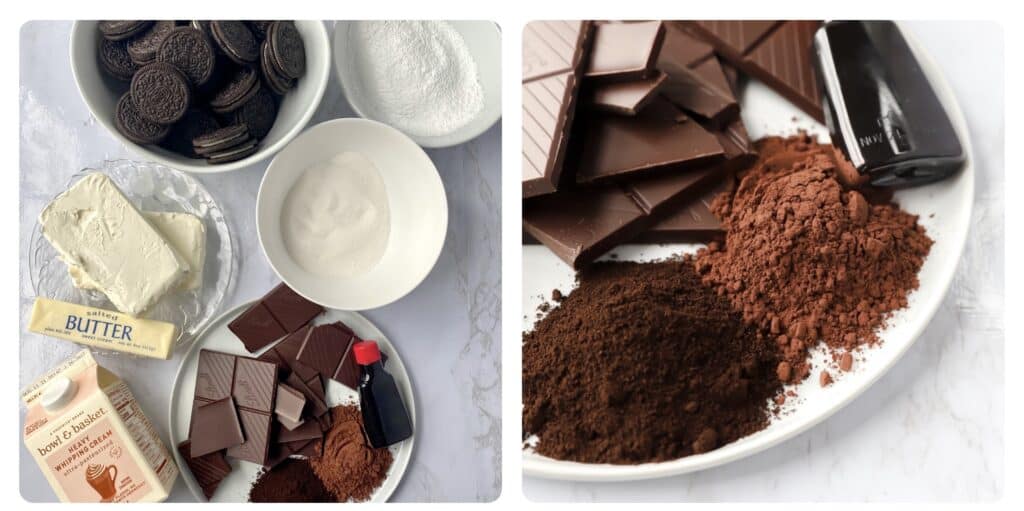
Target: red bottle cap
(366,352)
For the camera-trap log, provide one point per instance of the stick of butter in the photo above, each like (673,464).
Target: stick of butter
(101,328)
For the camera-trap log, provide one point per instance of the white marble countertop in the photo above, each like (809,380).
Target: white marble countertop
(932,428)
(448,329)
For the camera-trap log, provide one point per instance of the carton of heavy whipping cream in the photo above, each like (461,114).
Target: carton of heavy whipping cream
(91,440)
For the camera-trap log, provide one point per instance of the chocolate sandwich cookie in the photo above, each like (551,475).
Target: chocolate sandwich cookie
(287,51)
(236,41)
(202,26)
(133,126)
(233,154)
(143,48)
(275,80)
(239,89)
(119,30)
(222,139)
(257,114)
(188,50)
(114,59)
(259,28)
(161,93)
(196,123)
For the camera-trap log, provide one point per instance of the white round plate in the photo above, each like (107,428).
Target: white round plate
(100,93)
(151,187)
(483,38)
(235,487)
(945,211)
(416,197)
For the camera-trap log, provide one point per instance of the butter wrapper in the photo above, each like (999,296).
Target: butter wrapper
(102,329)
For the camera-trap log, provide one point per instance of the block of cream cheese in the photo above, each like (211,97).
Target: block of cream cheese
(94,226)
(185,232)
(101,328)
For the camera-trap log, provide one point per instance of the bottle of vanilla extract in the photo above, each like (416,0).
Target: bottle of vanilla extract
(385,418)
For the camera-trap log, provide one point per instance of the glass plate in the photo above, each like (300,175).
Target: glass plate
(151,187)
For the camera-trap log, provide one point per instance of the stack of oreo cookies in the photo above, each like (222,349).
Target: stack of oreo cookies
(202,89)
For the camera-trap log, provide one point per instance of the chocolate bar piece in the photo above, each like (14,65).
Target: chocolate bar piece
(580,225)
(696,81)
(624,52)
(289,406)
(732,39)
(255,385)
(216,428)
(280,312)
(307,431)
(256,426)
(691,223)
(215,373)
(627,98)
(616,146)
(553,56)
(208,470)
(317,405)
(328,350)
(777,53)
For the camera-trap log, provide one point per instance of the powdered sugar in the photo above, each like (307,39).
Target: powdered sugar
(417,76)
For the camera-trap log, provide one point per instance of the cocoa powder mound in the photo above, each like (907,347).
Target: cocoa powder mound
(808,258)
(291,481)
(349,467)
(644,363)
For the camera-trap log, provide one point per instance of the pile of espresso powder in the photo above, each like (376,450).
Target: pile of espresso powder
(348,470)
(644,363)
(809,258)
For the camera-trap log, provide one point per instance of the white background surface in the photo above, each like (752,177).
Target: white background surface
(447,330)
(931,429)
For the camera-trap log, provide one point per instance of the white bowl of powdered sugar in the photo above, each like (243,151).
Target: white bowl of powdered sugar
(439,82)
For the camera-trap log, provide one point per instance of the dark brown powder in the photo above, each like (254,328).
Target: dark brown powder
(291,481)
(644,363)
(809,259)
(349,467)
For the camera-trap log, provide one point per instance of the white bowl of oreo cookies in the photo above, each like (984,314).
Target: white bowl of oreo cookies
(258,81)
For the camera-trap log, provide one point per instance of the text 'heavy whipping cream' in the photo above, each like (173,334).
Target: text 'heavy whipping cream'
(91,439)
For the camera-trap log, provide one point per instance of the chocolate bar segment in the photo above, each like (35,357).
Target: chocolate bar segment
(696,81)
(214,375)
(627,98)
(216,427)
(784,62)
(290,309)
(732,39)
(309,430)
(289,405)
(256,426)
(692,222)
(208,470)
(553,56)
(624,52)
(256,327)
(616,147)
(255,384)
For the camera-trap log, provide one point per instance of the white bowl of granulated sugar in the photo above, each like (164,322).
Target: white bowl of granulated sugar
(439,82)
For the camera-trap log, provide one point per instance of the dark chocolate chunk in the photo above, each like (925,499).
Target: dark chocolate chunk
(732,39)
(317,405)
(554,53)
(255,384)
(289,404)
(130,123)
(624,51)
(161,93)
(215,427)
(289,348)
(618,146)
(119,30)
(291,309)
(236,41)
(325,349)
(214,375)
(627,98)
(692,222)
(115,61)
(309,430)
(696,80)
(208,470)
(256,426)
(188,50)
(143,49)
(287,51)
(256,328)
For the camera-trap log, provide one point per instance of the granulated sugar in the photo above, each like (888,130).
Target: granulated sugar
(417,76)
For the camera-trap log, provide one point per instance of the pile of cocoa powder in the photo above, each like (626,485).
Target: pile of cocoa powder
(644,363)
(809,258)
